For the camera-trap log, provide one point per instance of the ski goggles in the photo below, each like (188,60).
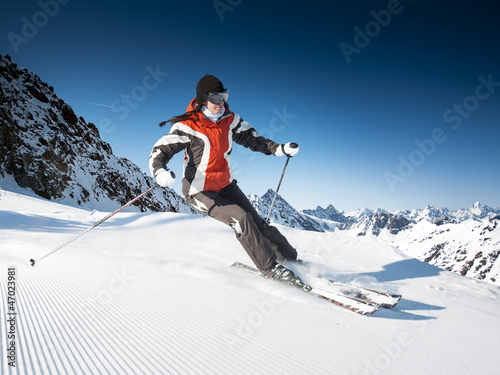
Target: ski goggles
(218,97)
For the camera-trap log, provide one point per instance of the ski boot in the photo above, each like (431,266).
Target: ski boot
(283,274)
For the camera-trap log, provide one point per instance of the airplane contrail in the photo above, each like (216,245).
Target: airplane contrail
(101,105)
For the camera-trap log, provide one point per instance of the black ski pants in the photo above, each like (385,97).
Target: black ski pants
(264,243)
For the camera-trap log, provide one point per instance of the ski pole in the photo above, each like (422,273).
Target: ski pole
(292,145)
(92,227)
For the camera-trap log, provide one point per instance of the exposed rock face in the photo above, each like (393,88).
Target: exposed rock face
(48,149)
(470,248)
(283,213)
(329,213)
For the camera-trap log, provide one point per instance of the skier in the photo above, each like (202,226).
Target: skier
(205,133)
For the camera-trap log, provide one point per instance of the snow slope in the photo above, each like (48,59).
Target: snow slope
(153,293)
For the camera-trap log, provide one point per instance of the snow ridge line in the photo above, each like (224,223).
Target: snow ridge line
(107,330)
(55,310)
(61,334)
(51,321)
(157,346)
(96,330)
(167,336)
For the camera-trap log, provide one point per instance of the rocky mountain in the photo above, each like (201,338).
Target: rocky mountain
(470,248)
(47,148)
(329,213)
(441,215)
(283,212)
(465,241)
(378,221)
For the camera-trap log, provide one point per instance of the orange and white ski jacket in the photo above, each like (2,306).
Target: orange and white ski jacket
(207,147)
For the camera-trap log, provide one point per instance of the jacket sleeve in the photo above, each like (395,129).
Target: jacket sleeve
(244,134)
(166,147)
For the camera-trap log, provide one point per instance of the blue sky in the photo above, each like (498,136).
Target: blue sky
(394,104)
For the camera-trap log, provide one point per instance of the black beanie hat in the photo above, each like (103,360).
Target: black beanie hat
(207,85)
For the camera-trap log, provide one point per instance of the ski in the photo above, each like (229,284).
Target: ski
(385,299)
(357,305)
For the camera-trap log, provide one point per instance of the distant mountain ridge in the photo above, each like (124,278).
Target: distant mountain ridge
(329,213)
(466,241)
(440,215)
(283,212)
(332,219)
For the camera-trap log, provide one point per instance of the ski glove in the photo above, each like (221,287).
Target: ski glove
(289,149)
(164,178)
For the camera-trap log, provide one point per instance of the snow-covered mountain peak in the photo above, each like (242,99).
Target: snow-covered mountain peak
(282,212)
(432,234)
(330,213)
(46,148)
